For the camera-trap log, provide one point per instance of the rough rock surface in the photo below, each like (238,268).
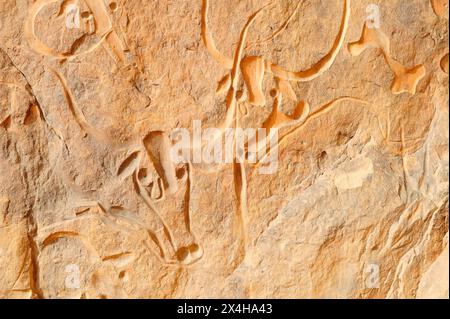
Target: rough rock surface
(91,206)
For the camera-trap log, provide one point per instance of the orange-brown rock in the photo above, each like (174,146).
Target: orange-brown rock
(92,204)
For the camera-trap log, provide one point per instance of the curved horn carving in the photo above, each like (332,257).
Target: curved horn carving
(324,64)
(224,61)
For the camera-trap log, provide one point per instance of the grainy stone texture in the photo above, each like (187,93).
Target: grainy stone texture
(92,207)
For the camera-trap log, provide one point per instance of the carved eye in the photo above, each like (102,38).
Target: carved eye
(86,15)
(113,6)
(143,177)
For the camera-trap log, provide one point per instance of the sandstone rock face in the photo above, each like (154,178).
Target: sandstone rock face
(92,204)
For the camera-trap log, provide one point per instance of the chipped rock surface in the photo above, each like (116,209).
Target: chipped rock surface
(93,206)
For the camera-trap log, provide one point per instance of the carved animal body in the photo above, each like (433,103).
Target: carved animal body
(142,164)
(119,183)
(159,204)
(253,70)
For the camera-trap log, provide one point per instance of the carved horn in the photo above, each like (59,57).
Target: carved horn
(324,64)
(224,61)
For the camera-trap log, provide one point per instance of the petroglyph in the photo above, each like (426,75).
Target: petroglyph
(91,17)
(253,69)
(158,184)
(304,117)
(4,204)
(158,146)
(356,205)
(277,119)
(440,7)
(444,63)
(405,79)
(232,116)
(15,250)
(324,63)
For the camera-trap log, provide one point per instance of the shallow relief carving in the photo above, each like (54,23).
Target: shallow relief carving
(160,204)
(22,140)
(89,20)
(125,185)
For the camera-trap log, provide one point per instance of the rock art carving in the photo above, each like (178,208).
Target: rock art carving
(91,17)
(444,63)
(15,250)
(165,194)
(440,7)
(126,203)
(95,20)
(24,114)
(277,119)
(102,266)
(4,203)
(405,79)
(20,120)
(253,70)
